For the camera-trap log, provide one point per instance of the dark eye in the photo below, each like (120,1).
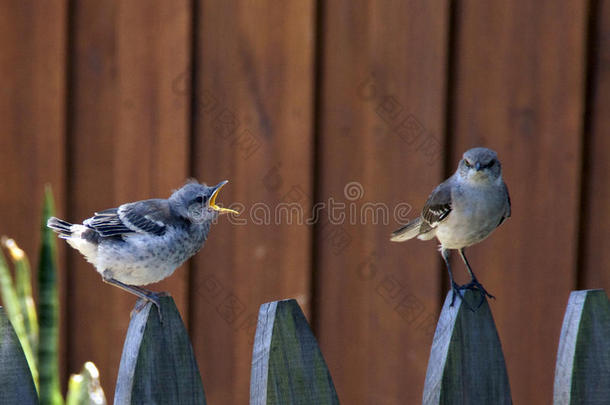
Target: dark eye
(201,199)
(467,163)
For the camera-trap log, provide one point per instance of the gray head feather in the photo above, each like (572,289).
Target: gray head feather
(191,202)
(480,165)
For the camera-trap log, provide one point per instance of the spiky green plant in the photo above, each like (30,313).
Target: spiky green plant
(48,307)
(11,300)
(39,336)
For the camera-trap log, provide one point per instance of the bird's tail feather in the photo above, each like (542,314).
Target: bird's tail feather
(409,231)
(63,228)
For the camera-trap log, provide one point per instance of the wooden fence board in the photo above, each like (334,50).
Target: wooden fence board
(287,365)
(253,126)
(380,141)
(17,386)
(32,122)
(466,363)
(158,365)
(595,216)
(519,90)
(582,371)
(129,141)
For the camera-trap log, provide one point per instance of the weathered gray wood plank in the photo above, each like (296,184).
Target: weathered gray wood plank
(287,365)
(582,372)
(466,363)
(16,384)
(158,365)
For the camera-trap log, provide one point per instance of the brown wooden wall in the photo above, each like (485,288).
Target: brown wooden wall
(302,101)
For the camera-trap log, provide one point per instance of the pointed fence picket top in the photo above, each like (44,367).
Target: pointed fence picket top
(287,365)
(16,384)
(466,363)
(582,371)
(158,365)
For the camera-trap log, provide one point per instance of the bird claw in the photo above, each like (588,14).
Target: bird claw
(154,299)
(455,290)
(474,285)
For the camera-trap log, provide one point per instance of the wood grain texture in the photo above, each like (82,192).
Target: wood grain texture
(158,365)
(253,126)
(466,363)
(128,142)
(17,386)
(595,216)
(287,365)
(380,142)
(582,371)
(519,89)
(32,124)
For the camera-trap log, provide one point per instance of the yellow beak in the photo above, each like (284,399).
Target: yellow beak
(213,205)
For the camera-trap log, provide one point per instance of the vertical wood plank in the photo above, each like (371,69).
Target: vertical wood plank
(595,216)
(381,138)
(15,376)
(253,126)
(287,365)
(582,370)
(158,364)
(466,363)
(32,123)
(129,142)
(519,90)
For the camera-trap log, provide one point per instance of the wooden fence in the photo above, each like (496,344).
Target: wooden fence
(113,101)
(466,364)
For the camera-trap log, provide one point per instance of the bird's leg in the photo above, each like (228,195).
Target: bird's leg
(455,288)
(474,283)
(143,293)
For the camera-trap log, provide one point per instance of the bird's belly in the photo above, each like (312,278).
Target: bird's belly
(140,261)
(464,230)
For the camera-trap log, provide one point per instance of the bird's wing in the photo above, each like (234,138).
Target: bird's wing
(438,205)
(148,216)
(507,211)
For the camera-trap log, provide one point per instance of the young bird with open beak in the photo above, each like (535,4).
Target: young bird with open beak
(143,242)
(463,210)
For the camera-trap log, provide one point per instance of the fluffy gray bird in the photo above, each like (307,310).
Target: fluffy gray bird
(143,242)
(463,210)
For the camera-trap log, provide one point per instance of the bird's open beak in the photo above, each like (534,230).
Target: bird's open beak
(213,205)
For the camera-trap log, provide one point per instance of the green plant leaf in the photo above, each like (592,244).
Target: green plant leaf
(48,310)
(85,388)
(16,317)
(23,287)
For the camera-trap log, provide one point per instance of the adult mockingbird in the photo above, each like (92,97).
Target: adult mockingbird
(463,210)
(145,241)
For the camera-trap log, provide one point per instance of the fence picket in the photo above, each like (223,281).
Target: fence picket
(158,365)
(582,371)
(287,365)
(16,384)
(466,363)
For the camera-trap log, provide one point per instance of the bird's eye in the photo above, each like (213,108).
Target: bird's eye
(467,163)
(200,199)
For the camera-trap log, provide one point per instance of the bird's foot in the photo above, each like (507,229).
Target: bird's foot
(474,285)
(456,290)
(152,297)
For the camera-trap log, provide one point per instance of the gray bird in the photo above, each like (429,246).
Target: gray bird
(144,242)
(462,211)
